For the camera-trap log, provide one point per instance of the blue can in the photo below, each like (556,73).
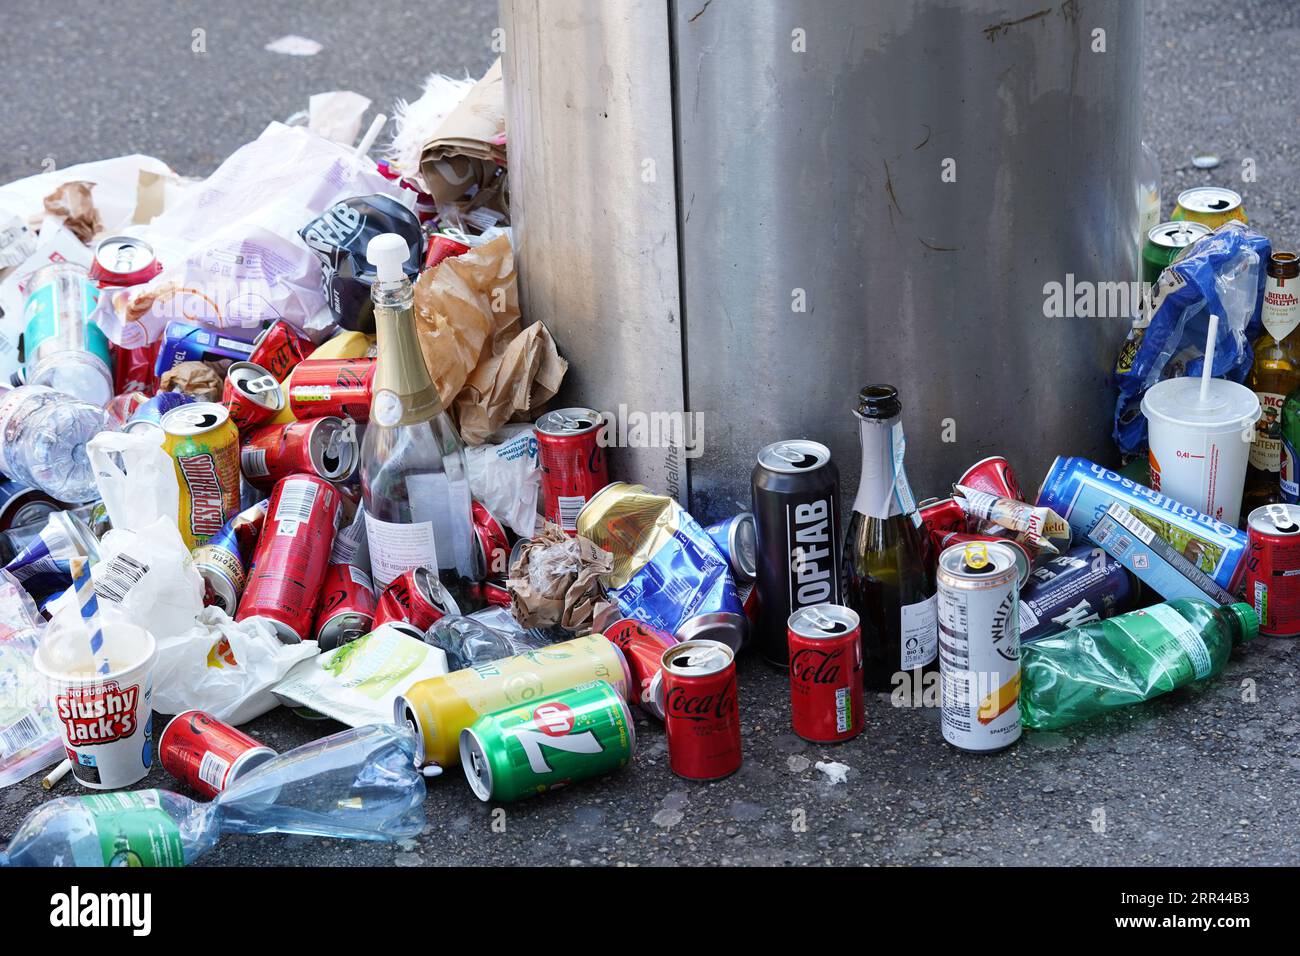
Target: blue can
(152,411)
(736,540)
(1080,491)
(186,342)
(1084,584)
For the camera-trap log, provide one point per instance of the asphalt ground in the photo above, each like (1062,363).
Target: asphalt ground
(1202,776)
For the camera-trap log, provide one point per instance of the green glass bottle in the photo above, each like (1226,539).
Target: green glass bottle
(1100,666)
(1289,464)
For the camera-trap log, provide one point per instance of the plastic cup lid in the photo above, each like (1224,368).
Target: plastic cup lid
(1177,401)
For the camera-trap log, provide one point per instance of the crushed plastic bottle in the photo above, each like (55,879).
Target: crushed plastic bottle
(43,435)
(360,784)
(1098,667)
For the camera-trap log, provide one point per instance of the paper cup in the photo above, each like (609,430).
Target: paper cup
(1198,452)
(106,720)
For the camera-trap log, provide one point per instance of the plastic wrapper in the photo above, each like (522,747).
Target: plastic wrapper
(469,641)
(556,579)
(504,476)
(1221,274)
(360,784)
(29,733)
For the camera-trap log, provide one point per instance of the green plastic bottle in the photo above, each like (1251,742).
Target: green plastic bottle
(1088,670)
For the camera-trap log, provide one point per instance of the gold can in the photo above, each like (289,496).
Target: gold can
(204,446)
(1209,205)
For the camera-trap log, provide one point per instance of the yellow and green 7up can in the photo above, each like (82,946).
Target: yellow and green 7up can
(579,733)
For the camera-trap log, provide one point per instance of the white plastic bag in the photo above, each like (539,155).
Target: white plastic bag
(505,477)
(135,477)
(225,667)
(29,732)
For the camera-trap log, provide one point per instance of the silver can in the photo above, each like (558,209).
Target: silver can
(979,646)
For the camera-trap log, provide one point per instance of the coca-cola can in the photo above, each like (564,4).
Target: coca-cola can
(206,753)
(326,447)
(332,387)
(1272,585)
(291,556)
(347,606)
(416,597)
(443,246)
(943,514)
(122,261)
(572,462)
(279,349)
(993,475)
(826,673)
(493,544)
(643,646)
(252,394)
(697,695)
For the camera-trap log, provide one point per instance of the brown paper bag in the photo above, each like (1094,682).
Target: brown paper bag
(73,204)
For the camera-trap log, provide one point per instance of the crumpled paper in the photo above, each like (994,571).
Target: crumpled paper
(556,580)
(488,369)
(336,115)
(464,161)
(72,203)
(202,380)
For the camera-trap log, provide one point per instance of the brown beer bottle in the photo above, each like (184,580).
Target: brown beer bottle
(1274,376)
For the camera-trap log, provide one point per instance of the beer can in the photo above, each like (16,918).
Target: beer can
(643,647)
(340,388)
(417,597)
(1024,558)
(291,556)
(826,702)
(697,694)
(279,349)
(204,445)
(252,394)
(493,544)
(223,560)
(149,415)
(1209,205)
(576,734)
(572,461)
(1164,244)
(736,540)
(347,606)
(1085,584)
(325,447)
(979,646)
(208,754)
(1273,568)
(992,475)
(187,342)
(441,707)
(122,261)
(796,505)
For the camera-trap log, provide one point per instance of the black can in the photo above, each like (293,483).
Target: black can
(796,504)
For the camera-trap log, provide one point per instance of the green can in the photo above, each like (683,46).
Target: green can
(547,743)
(1164,243)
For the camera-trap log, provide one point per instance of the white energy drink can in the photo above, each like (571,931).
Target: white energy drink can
(979,646)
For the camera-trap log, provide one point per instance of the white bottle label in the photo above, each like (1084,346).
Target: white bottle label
(919,634)
(1281,309)
(396,548)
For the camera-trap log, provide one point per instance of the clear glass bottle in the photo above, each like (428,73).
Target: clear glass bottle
(886,577)
(43,436)
(414,480)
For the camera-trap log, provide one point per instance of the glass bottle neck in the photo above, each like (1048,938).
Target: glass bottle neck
(401,371)
(883,490)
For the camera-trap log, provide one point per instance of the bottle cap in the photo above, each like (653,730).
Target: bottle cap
(1247,620)
(388,252)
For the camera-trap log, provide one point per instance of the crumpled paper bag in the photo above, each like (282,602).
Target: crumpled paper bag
(198,379)
(72,203)
(467,153)
(556,580)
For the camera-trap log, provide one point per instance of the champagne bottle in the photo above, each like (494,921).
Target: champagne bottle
(885,575)
(414,481)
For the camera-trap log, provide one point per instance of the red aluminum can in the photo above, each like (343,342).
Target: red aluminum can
(697,694)
(122,261)
(493,545)
(443,246)
(133,369)
(291,556)
(943,514)
(207,754)
(326,447)
(825,673)
(572,461)
(416,597)
(993,475)
(347,606)
(643,646)
(489,593)
(337,387)
(279,349)
(1273,568)
(252,394)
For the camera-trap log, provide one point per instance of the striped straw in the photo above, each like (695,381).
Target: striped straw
(89,605)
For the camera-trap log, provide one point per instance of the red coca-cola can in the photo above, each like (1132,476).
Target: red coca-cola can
(122,261)
(993,475)
(943,514)
(252,394)
(443,246)
(1024,557)
(825,673)
(291,556)
(572,462)
(207,754)
(416,597)
(748,594)
(697,695)
(643,647)
(133,369)
(337,387)
(279,349)
(1272,581)
(326,447)
(347,606)
(493,544)
(491,593)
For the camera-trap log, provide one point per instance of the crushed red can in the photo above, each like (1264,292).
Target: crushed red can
(133,369)
(825,673)
(697,694)
(279,349)
(417,598)
(572,461)
(443,246)
(994,476)
(943,514)
(291,556)
(347,606)
(643,646)
(1272,580)
(341,388)
(206,753)
(493,544)
(326,447)
(252,394)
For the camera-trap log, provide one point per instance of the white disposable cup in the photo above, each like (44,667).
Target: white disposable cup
(105,720)
(1198,451)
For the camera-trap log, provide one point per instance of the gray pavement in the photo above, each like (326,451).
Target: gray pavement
(1204,776)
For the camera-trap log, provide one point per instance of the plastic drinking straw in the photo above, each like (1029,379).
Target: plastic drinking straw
(89,605)
(1208,372)
(372,134)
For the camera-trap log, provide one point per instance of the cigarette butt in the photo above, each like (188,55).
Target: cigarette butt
(57,774)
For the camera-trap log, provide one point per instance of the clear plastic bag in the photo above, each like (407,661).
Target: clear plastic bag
(29,734)
(468,641)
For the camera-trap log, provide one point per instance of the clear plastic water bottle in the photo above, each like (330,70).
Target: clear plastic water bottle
(43,436)
(65,348)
